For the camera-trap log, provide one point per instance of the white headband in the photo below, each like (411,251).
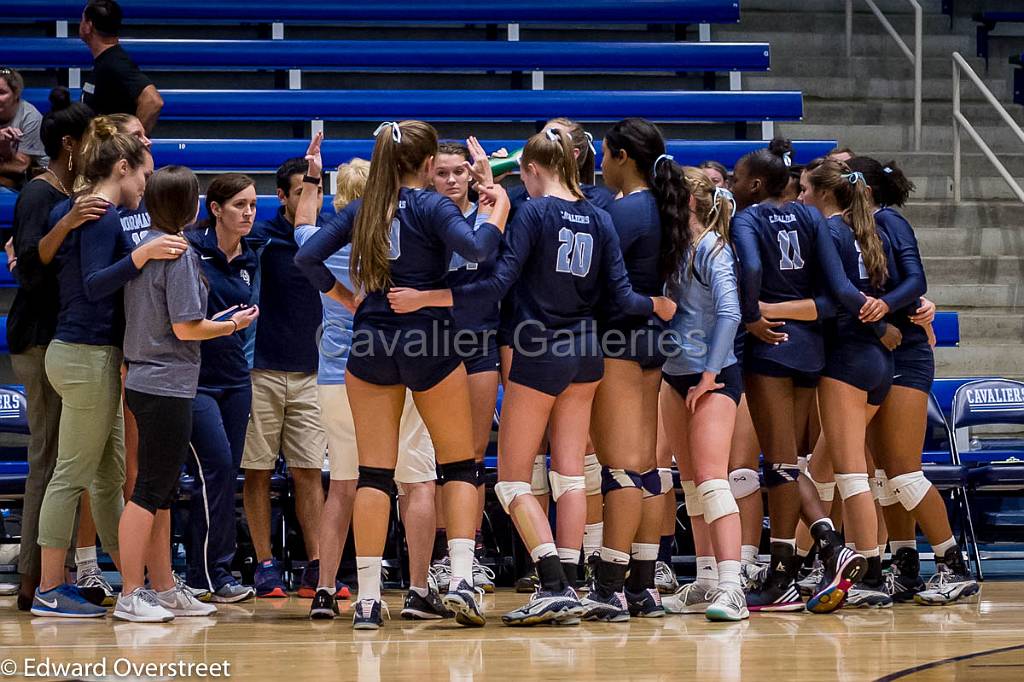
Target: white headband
(396,131)
(721,192)
(553,135)
(590,142)
(787,159)
(855,177)
(663,157)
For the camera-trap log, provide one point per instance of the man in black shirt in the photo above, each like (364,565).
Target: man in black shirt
(115,86)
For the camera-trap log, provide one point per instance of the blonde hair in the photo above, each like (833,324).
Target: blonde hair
(116,122)
(351,182)
(552,149)
(103,145)
(714,210)
(371,234)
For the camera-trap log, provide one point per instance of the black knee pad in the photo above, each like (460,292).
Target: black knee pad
(780,474)
(464,470)
(481,473)
(377,478)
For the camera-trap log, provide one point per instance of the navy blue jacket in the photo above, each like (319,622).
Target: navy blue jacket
(93,265)
(477,314)
(848,326)
(560,259)
(135,224)
(638,225)
(906,271)
(290,307)
(223,360)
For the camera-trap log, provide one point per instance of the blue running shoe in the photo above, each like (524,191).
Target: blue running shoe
(65,601)
(268,582)
(645,604)
(608,607)
(461,600)
(366,615)
(556,608)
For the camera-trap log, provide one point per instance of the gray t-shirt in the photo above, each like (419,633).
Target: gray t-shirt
(28,119)
(164,293)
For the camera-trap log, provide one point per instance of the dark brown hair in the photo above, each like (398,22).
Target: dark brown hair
(172,197)
(221,189)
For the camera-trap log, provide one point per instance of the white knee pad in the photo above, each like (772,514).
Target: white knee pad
(826,491)
(665,475)
(743,483)
(539,481)
(802,462)
(716,496)
(560,484)
(507,491)
(852,484)
(692,499)
(881,488)
(592,472)
(910,488)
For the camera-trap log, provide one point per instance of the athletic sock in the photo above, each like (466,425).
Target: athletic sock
(729,574)
(440,550)
(614,556)
(368,573)
(421,591)
(825,536)
(550,572)
(943,547)
(332,590)
(460,551)
(873,577)
(85,560)
(593,537)
(707,571)
(665,548)
(641,567)
(570,559)
(748,554)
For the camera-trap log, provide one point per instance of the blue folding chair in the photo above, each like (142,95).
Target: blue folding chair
(991,402)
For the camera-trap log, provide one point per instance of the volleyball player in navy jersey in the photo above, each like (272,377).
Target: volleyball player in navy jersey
(561,258)
(897,431)
(785,253)
(402,236)
(650,220)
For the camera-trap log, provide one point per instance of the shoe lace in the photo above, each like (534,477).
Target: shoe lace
(942,576)
(890,586)
(663,571)
(483,570)
(147,598)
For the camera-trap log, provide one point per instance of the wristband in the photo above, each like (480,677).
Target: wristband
(232,321)
(310,178)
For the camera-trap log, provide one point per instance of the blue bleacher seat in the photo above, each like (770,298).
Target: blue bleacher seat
(947,329)
(354,55)
(6,276)
(13,404)
(981,402)
(457,11)
(467,105)
(4,348)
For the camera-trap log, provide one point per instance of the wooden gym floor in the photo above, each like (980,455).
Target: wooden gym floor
(274,640)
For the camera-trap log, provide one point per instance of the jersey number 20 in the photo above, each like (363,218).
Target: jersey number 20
(789,245)
(575,253)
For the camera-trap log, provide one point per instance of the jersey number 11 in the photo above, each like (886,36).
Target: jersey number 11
(789,245)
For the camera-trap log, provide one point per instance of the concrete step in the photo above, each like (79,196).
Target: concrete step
(831,19)
(981,359)
(977,295)
(881,111)
(789,39)
(968,216)
(940,187)
(973,165)
(874,86)
(896,135)
(968,241)
(998,325)
(973,270)
(837,64)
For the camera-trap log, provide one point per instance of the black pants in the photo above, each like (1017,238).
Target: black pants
(165,425)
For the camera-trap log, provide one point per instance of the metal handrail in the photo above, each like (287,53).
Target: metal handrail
(915,56)
(960,121)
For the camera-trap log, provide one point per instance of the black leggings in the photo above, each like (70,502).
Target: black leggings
(165,425)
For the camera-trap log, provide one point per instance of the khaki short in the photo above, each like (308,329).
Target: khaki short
(285,417)
(416,462)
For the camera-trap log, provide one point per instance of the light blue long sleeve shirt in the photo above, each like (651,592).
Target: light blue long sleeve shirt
(335,340)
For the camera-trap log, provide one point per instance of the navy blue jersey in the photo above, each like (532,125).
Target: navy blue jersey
(135,224)
(907,272)
(787,254)
(426,229)
(596,194)
(290,308)
(93,265)
(476,315)
(223,361)
(560,259)
(848,326)
(638,226)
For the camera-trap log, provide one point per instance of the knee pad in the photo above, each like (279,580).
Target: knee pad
(594,473)
(665,474)
(507,491)
(852,484)
(780,474)
(716,497)
(744,482)
(826,491)
(561,484)
(539,481)
(463,470)
(692,499)
(910,488)
(377,478)
(481,473)
(802,461)
(886,495)
(617,479)
(650,481)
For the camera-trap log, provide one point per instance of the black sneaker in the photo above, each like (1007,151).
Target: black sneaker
(903,580)
(461,599)
(778,592)
(324,606)
(645,604)
(608,607)
(424,608)
(951,583)
(547,607)
(366,615)
(527,584)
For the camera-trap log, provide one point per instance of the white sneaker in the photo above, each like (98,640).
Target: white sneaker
(729,605)
(441,572)
(690,598)
(141,606)
(665,578)
(483,577)
(180,602)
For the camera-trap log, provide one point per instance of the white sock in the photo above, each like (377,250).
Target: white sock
(85,559)
(881,550)
(568,556)
(422,591)
(542,550)
(368,572)
(852,546)
(869,553)
(749,554)
(460,552)
(897,545)
(642,551)
(707,571)
(614,556)
(802,553)
(729,574)
(593,537)
(332,590)
(943,547)
(784,541)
